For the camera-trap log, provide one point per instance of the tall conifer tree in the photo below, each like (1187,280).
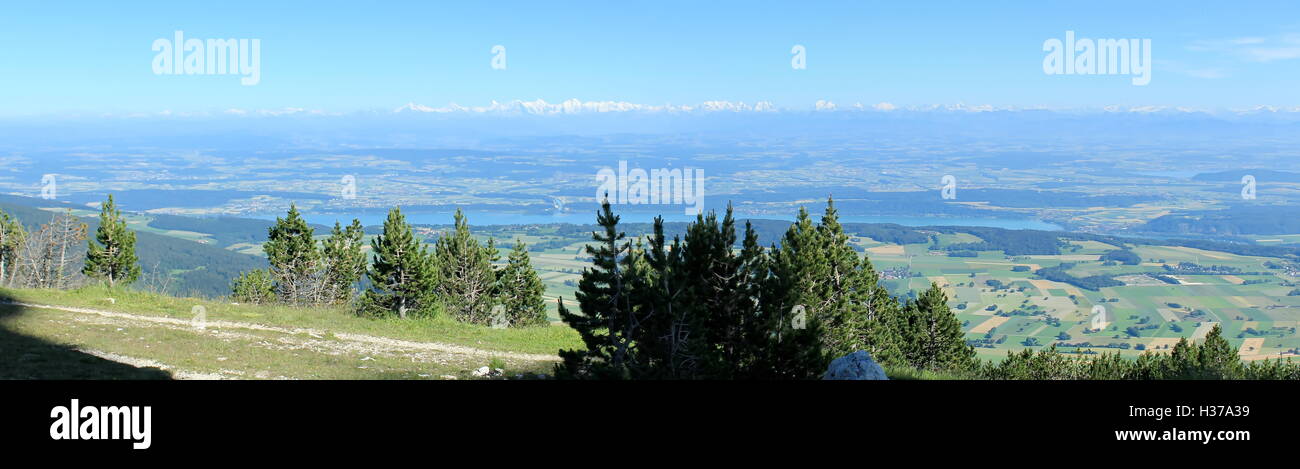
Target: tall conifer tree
(466,280)
(403,276)
(791,300)
(931,338)
(606,323)
(1218,359)
(520,289)
(344,261)
(111,255)
(294,259)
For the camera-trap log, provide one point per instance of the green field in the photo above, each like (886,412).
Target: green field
(1037,311)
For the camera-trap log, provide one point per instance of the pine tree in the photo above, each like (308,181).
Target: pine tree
(520,290)
(343,261)
(692,308)
(658,296)
(465,277)
(113,257)
(403,276)
(1217,358)
(795,346)
(708,312)
(883,316)
(726,323)
(867,312)
(676,302)
(294,259)
(722,300)
(606,322)
(841,291)
(1182,362)
(814,273)
(775,343)
(12,238)
(800,265)
(932,338)
(1146,367)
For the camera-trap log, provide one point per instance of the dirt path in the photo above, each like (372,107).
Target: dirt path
(315,338)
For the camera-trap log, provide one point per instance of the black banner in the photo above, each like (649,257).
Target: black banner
(322,418)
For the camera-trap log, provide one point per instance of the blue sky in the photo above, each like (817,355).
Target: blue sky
(61,58)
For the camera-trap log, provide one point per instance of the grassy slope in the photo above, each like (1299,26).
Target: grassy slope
(54,340)
(55,344)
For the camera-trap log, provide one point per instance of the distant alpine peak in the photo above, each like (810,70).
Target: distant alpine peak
(577,106)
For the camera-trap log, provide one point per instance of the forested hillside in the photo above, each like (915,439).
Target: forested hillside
(1236,221)
(171,265)
(225,230)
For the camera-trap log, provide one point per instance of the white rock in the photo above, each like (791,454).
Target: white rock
(855,366)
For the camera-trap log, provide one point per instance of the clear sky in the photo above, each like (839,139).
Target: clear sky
(95,57)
